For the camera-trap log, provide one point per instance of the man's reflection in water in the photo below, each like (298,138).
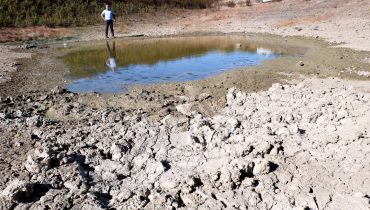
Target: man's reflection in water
(111,61)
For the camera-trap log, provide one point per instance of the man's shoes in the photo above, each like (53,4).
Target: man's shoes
(107,37)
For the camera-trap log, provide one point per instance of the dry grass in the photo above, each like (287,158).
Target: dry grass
(230,4)
(30,33)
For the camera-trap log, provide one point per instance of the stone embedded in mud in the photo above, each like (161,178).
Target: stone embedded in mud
(181,139)
(3,116)
(14,188)
(204,96)
(58,90)
(263,148)
(184,99)
(74,178)
(19,113)
(43,97)
(276,87)
(18,191)
(262,167)
(117,151)
(293,128)
(31,165)
(231,94)
(109,169)
(34,121)
(331,128)
(41,157)
(185,109)
(282,131)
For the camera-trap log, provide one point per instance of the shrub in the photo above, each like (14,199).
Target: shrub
(79,12)
(231,4)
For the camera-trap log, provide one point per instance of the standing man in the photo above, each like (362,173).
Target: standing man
(108,16)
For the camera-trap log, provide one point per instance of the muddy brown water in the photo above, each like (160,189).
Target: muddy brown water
(112,66)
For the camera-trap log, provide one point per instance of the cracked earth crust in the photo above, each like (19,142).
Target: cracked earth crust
(299,146)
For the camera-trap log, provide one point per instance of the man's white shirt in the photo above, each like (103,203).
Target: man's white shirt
(112,63)
(108,14)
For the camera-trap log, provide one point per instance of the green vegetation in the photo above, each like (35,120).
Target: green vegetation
(80,12)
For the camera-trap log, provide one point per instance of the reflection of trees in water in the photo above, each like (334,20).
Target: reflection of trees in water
(91,61)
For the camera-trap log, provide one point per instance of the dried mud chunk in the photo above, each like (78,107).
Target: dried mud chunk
(24,192)
(263,167)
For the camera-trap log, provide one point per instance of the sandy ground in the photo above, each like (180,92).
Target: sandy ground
(9,63)
(337,21)
(301,145)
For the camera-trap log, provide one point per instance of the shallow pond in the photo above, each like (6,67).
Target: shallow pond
(112,66)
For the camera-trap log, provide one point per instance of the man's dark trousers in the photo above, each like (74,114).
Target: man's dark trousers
(109,23)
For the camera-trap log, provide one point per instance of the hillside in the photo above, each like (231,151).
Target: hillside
(79,12)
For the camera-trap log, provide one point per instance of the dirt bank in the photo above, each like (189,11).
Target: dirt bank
(32,33)
(9,61)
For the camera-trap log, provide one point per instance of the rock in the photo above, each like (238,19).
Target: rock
(262,167)
(18,144)
(34,121)
(204,96)
(181,139)
(43,97)
(58,90)
(184,98)
(74,178)
(3,116)
(331,128)
(341,114)
(109,169)
(54,199)
(283,131)
(231,94)
(16,64)
(30,46)
(185,109)
(19,113)
(18,191)
(293,129)
(39,158)
(263,148)
(298,28)
(14,189)
(117,151)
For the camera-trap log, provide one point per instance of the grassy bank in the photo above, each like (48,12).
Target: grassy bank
(80,12)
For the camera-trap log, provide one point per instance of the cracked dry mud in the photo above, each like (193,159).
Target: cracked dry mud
(299,146)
